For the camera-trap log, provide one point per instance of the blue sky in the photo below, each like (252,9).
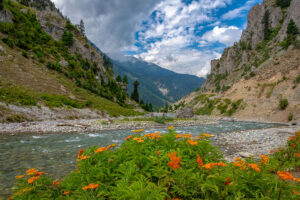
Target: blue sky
(180,35)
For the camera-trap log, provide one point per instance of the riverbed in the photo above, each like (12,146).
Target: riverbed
(56,154)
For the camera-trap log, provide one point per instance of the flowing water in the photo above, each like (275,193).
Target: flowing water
(56,154)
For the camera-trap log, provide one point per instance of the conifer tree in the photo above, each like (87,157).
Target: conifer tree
(292,28)
(266,25)
(119,79)
(125,80)
(82,27)
(135,93)
(1,4)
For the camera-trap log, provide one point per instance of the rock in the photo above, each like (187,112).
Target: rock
(63,63)
(10,57)
(24,10)
(294,123)
(185,113)
(246,155)
(6,16)
(2,49)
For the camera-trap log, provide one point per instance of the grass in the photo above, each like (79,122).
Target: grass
(169,166)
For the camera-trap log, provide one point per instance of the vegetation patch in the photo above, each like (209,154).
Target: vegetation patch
(168,166)
(283,104)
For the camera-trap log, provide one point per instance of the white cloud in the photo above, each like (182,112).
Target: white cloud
(238,11)
(224,35)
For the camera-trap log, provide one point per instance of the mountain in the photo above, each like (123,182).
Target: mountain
(48,70)
(257,78)
(157,85)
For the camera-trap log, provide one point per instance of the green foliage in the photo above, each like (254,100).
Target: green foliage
(135,93)
(119,79)
(292,28)
(283,3)
(297,80)
(290,117)
(266,24)
(25,54)
(1,4)
(159,166)
(16,118)
(292,32)
(125,80)
(67,38)
(56,66)
(283,103)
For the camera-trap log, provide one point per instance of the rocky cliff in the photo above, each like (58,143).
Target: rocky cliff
(259,71)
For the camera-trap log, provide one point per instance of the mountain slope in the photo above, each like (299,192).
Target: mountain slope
(48,70)
(258,78)
(157,85)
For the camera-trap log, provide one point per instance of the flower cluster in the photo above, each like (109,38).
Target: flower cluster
(192,142)
(239,163)
(174,163)
(91,186)
(209,166)
(264,159)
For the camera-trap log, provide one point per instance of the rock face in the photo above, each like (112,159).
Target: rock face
(185,113)
(6,16)
(2,49)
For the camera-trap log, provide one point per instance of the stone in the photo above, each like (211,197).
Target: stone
(6,16)
(63,63)
(10,57)
(185,113)
(2,49)
(246,155)
(294,123)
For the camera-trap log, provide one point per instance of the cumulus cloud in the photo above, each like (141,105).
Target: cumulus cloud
(111,24)
(238,12)
(225,35)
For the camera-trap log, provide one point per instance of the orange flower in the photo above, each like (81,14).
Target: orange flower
(254,167)
(10,198)
(153,135)
(138,131)
(55,183)
(211,165)
(208,166)
(170,127)
(138,139)
(101,149)
(174,163)
(294,192)
(67,192)
(297,155)
(178,136)
(110,146)
(228,181)
(293,145)
(271,151)
(80,152)
(199,137)
(285,175)
(91,186)
(39,173)
(175,199)
(292,138)
(157,152)
(298,141)
(206,135)
(32,179)
(129,137)
(186,135)
(32,171)
(192,142)
(265,160)
(19,177)
(82,157)
(239,163)
(199,160)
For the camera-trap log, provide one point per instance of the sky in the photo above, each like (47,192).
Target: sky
(180,35)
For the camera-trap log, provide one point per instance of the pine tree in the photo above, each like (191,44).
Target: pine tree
(292,28)
(119,79)
(135,93)
(1,4)
(82,27)
(265,21)
(67,38)
(125,80)
(283,3)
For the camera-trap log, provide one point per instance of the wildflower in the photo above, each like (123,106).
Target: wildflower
(67,192)
(80,152)
(91,186)
(292,138)
(178,136)
(208,166)
(271,151)
(32,179)
(186,135)
(199,160)
(175,199)
(170,127)
(220,164)
(110,146)
(228,181)
(55,183)
(101,149)
(284,175)
(192,142)
(32,171)
(19,177)
(294,192)
(157,152)
(174,163)
(211,165)
(138,131)
(265,160)
(254,167)
(153,135)
(129,137)
(206,135)
(293,145)
(83,157)
(199,137)
(39,173)
(138,139)
(10,198)
(298,141)
(239,163)
(297,155)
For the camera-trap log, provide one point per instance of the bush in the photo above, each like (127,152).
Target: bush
(168,166)
(290,117)
(297,80)
(283,3)
(283,103)
(25,54)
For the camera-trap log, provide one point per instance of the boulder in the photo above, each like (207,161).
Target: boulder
(6,16)
(2,49)
(246,155)
(185,113)
(63,63)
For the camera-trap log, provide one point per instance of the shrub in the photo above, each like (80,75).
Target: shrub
(166,166)
(25,54)
(297,80)
(290,117)
(283,3)
(283,103)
